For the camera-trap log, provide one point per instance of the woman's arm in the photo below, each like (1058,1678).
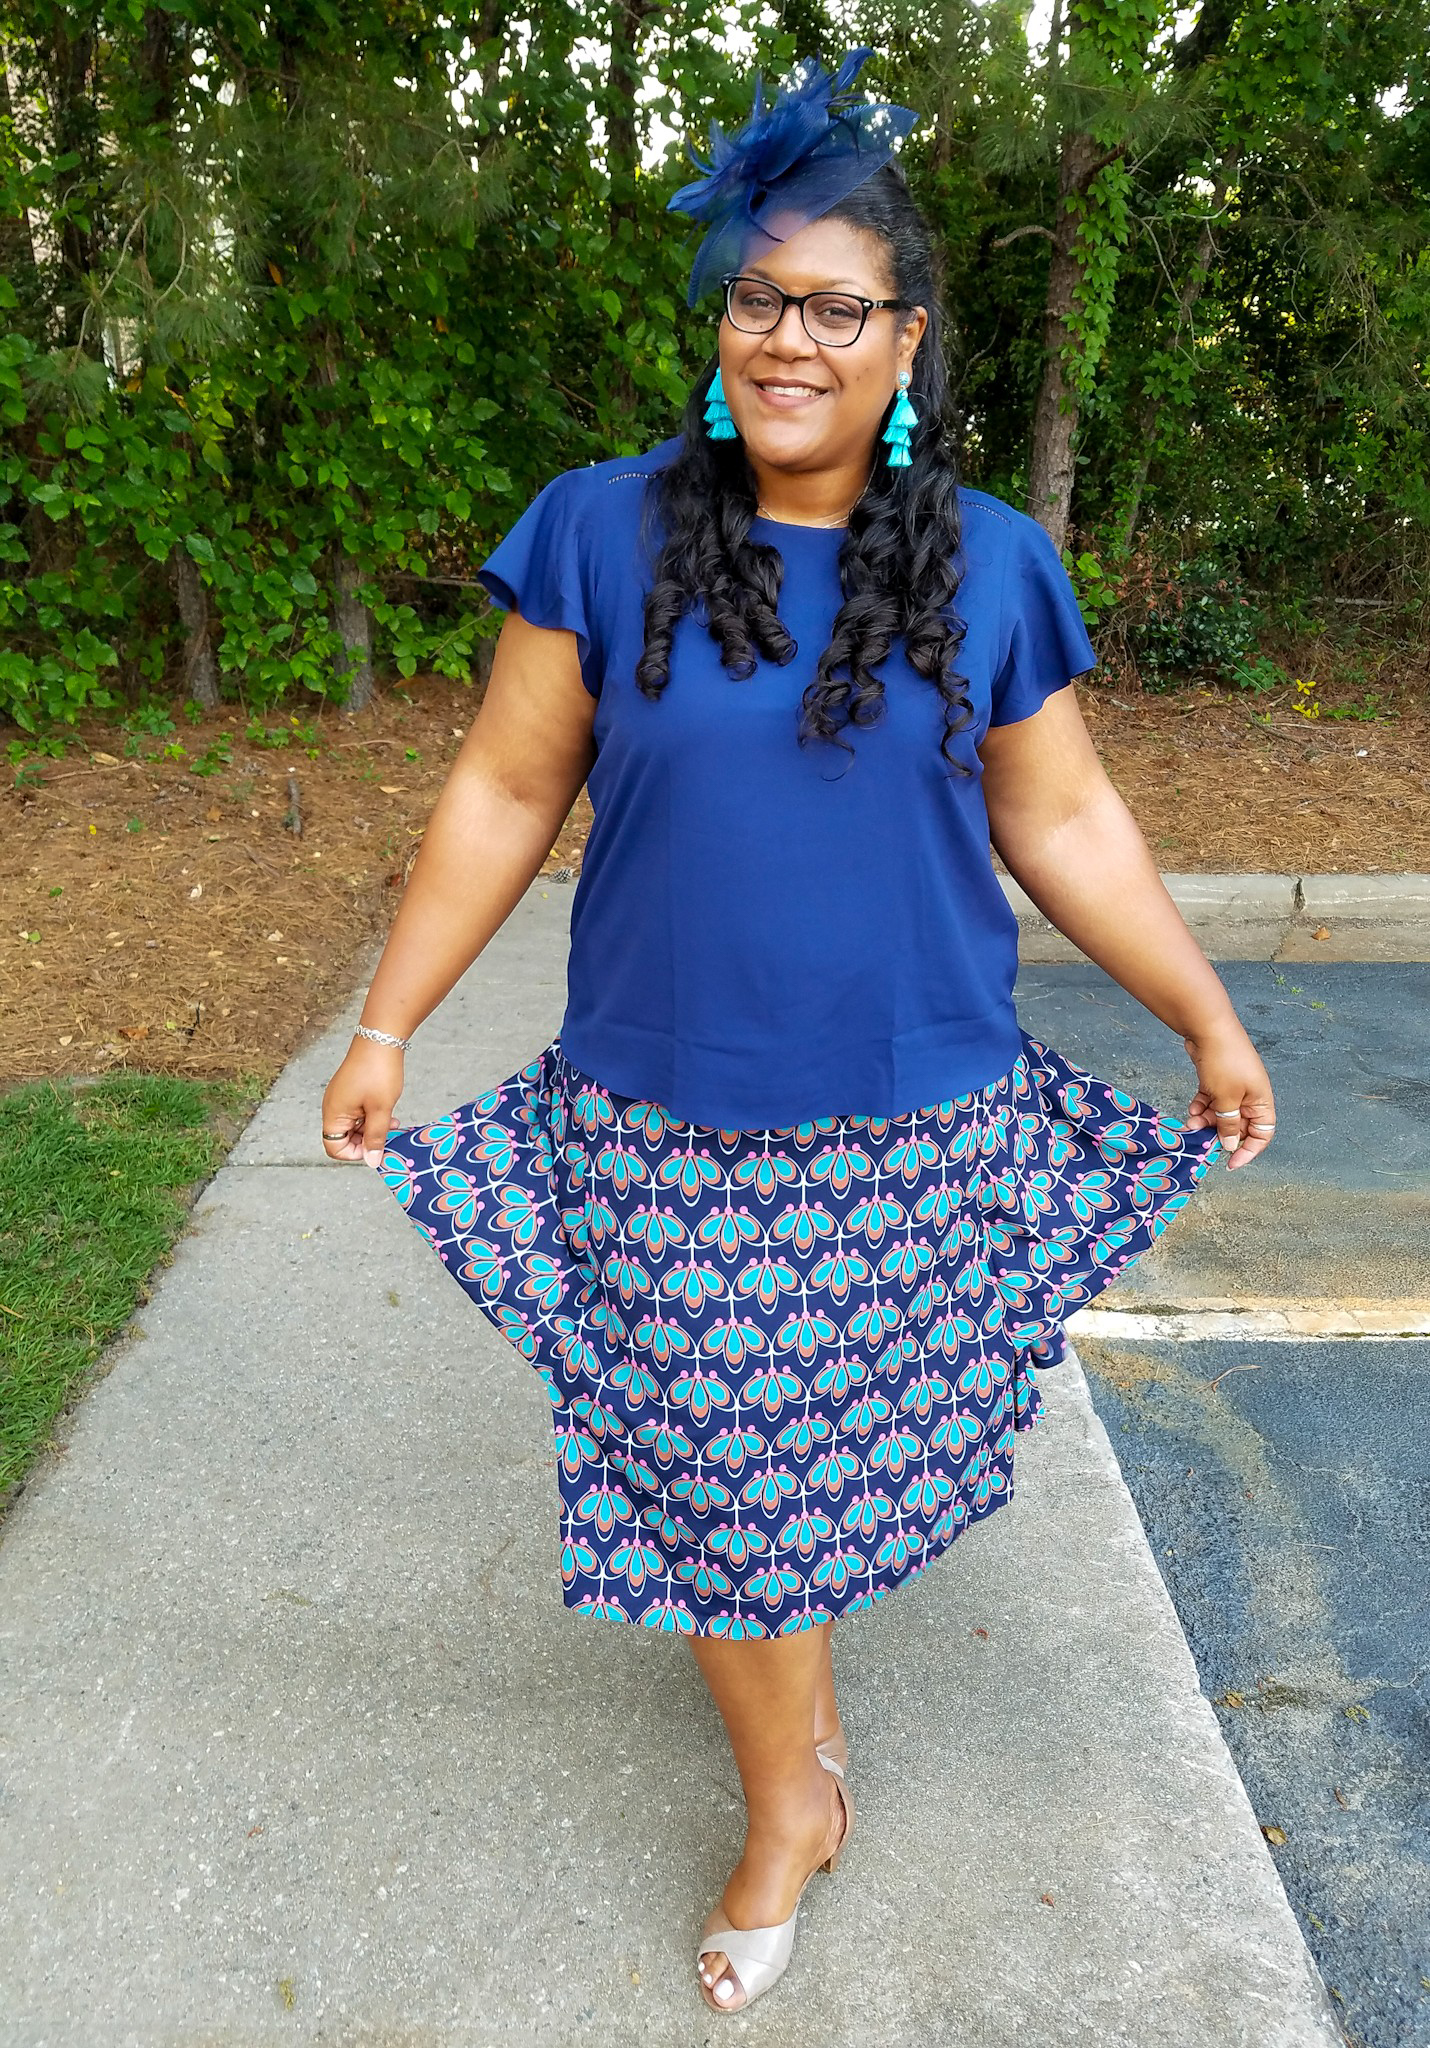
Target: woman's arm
(1066,836)
(511,787)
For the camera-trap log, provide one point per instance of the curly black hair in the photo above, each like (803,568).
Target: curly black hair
(897,562)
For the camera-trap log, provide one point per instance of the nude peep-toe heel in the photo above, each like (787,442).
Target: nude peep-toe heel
(758,1956)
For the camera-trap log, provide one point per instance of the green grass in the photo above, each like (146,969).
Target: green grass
(93,1181)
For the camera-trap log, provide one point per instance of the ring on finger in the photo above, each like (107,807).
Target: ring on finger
(1261,1127)
(336,1137)
(1226,1112)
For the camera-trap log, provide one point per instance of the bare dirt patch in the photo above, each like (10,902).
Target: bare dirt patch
(173,922)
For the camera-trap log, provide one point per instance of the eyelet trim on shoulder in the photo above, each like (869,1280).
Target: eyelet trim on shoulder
(975,506)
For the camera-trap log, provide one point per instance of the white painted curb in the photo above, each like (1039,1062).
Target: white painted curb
(1384,898)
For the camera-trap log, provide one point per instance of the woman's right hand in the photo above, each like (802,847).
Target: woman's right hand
(359,1100)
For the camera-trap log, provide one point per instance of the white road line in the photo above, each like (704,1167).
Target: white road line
(1266,1321)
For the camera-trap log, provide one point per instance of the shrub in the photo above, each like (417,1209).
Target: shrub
(1192,623)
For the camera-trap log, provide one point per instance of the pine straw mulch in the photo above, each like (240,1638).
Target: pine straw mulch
(164,921)
(1223,784)
(174,923)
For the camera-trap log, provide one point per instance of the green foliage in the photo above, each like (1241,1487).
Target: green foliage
(296,315)
(153,719)
(1251,313)
(257,734)
(1105,87)
(50,747)
(92,1185)
(216,756)
(1197,621)
(1098,592)
(1257,673)
(1371,709)
(1104,223)
(315,313)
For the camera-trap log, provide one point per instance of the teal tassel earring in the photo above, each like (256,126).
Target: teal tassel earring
(718,423)
(896,434)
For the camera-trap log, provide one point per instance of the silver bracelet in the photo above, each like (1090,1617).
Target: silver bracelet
(382,1037)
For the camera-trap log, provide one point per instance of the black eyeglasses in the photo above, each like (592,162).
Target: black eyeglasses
(833,319)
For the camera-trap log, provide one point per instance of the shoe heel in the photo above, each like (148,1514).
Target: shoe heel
(831,1862)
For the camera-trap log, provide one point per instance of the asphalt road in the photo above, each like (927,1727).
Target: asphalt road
(1285,1487)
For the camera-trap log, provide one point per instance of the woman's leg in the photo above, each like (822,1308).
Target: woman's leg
(766,1692)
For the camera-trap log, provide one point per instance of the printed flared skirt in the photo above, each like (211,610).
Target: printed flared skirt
(786,1366)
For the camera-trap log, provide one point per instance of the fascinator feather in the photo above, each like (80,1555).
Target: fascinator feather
(790,163)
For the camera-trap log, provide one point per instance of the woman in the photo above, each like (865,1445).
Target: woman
(789,1207)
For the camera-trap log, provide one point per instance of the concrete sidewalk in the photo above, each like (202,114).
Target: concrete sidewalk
(302,1747)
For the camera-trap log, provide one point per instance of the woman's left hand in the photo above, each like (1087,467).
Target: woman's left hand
(1234,1093)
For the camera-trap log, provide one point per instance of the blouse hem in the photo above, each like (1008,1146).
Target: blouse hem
(620,1060)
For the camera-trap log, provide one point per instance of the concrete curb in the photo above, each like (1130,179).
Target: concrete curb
(1227,898)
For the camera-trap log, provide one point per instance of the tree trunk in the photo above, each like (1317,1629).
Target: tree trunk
(942,153)
(1053,59)
(17,243)
(490,26)
(158,65)
(1150,417)
(354,623)
(200,668)
(622,140)
(70,60)
(1052,459)
(155,88)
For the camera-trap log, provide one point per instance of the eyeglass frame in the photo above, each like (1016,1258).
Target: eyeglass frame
(801,299)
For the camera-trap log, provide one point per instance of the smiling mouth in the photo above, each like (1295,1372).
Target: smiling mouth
(779,387)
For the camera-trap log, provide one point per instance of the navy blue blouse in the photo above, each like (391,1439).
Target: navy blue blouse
(765,933)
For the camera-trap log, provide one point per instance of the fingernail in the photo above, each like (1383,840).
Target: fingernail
(372,1158)
(1230,1144)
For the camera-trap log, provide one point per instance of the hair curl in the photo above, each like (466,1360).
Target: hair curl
(897,562)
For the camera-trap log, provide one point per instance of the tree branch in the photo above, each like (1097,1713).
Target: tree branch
(1033,228)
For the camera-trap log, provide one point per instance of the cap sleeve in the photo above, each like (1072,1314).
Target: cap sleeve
(1042,630)
(543,571)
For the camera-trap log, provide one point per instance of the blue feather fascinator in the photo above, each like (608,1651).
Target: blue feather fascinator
(789,164)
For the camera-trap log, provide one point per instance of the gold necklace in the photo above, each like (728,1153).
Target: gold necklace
(761,513)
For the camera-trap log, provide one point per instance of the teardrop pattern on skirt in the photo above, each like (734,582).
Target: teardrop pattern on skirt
(786,1366)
